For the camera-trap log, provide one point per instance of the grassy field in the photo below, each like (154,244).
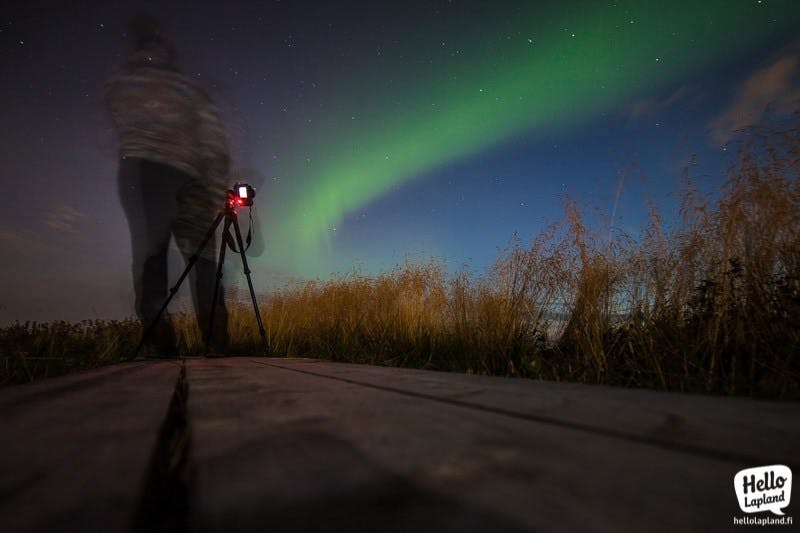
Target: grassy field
(711,304)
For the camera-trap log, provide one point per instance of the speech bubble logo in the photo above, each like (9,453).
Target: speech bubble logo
(763,488)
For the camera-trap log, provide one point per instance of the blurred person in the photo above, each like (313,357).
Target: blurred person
(173,162)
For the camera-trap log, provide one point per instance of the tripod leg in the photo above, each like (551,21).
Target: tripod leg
(174,289)
(220,262)
(250,283)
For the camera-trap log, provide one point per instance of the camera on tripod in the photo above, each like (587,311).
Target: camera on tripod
(241,195)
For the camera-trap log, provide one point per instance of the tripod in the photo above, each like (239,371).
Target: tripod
(228,214)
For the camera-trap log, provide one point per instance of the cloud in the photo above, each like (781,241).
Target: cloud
(774,87)
(651,106)
(64,218)
(20,241)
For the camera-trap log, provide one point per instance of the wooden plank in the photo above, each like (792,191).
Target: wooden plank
(379,449)
(303,445)
(719,426)
(75,450)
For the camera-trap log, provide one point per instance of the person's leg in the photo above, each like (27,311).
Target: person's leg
(203,280)
(150,208)
(199,204)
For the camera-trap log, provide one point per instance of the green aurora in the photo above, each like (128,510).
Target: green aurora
(533,71)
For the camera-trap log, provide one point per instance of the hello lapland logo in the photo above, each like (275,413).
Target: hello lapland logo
(764,488)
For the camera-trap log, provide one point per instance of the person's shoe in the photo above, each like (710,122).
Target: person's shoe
(218,347)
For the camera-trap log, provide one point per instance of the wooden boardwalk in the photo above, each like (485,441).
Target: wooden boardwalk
(301,445)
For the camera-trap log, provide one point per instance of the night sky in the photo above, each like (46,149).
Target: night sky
(379,131)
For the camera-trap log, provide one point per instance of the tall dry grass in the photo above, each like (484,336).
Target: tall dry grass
(33,350)
(716,302)
(710,304)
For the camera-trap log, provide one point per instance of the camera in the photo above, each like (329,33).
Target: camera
(241,195)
